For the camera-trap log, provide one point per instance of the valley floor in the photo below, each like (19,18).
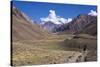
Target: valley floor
(53,49)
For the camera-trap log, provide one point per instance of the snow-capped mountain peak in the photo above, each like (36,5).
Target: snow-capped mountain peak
(52,17)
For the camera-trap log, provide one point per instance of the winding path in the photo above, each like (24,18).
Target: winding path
(80,57)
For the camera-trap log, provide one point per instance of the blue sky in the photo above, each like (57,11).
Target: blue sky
(36,10)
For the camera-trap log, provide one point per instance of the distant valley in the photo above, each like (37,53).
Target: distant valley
(50,43)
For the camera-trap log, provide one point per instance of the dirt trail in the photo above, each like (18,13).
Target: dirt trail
(80,57)
(74,57)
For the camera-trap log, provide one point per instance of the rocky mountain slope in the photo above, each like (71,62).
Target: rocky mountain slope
(81,24)
(23,28)
(51,27)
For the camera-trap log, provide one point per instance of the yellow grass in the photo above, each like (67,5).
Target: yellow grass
(50,50)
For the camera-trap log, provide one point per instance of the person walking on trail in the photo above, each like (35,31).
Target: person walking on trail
(84,48)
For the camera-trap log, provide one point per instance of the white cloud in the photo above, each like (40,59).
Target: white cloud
(69,19)
(54,18)
(63,20)
(92,13)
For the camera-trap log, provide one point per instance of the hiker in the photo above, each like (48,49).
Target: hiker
(84,48)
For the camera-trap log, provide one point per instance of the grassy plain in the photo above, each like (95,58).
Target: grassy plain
(53,50)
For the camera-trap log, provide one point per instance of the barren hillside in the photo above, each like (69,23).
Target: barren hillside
(24,29)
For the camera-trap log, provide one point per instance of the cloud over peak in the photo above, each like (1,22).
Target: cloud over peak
(92,13)
(54,18)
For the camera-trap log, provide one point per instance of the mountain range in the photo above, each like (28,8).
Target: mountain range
(23,28)
(83,23)
(52,42)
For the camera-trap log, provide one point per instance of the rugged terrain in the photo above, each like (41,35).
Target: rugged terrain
(54,50)
(31,45)
(24,29)
(83,23)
